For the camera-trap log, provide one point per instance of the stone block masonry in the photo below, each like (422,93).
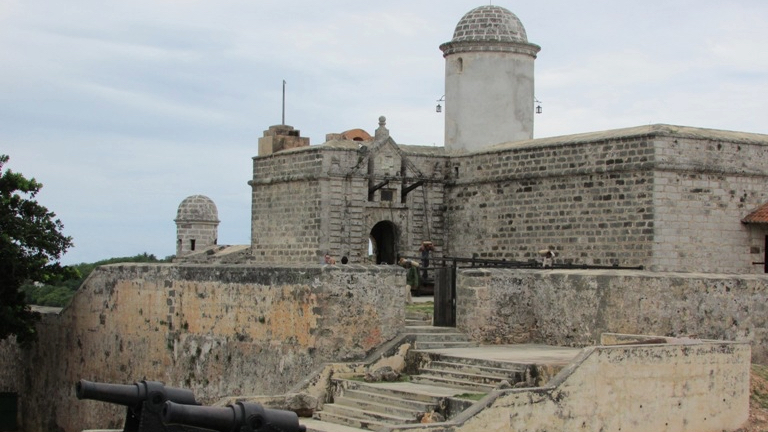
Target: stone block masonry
(668,198)
(665,197)
(591,203)
(217,330)
(317,200)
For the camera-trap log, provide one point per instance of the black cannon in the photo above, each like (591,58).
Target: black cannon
(240,417)
(144,401)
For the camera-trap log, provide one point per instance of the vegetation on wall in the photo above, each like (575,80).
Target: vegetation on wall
(59,293)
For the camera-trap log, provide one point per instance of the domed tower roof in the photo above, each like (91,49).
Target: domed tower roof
(197,208)
(490,23)
(490,28)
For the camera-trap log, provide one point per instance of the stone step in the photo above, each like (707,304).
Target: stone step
(368,406)
(316,425)
(379,398)
(419,345)
(417,316)
(349,421)
(365,415)
(409,391)
(437,337)
(500,364)
(410,322)
(452,383)
(480,367)
(458,375)
(424,329)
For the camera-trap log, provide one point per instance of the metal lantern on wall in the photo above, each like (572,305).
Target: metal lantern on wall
(439,108)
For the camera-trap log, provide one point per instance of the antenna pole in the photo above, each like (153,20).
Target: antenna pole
(283,102)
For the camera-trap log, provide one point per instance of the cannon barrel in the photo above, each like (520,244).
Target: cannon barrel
(232,418)
(133,395)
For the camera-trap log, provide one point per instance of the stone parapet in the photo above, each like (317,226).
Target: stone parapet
(574,307)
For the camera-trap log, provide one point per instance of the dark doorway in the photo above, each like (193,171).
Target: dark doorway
(445,297)
(765,255)
(8,411)
(384,239)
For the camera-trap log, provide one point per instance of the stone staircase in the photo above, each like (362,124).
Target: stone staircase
(375,405)
(414,319)
(358,405)
(470,375)
(428,337)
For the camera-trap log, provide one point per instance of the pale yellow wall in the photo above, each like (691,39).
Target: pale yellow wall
(217,330)
(661,388)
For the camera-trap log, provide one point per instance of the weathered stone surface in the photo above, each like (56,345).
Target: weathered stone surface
(396,361)
(574,307)
(639,388)
(384,373)
(217,330)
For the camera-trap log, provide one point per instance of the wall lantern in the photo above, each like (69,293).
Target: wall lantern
(439,108)
(538,106)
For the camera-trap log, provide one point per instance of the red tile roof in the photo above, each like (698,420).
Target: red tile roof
(759,215)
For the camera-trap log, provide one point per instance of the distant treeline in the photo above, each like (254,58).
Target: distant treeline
(60,293)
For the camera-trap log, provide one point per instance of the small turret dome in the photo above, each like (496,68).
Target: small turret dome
(490,24)
(197,208)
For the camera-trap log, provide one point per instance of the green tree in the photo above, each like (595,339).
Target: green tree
(59,293)
(31,244)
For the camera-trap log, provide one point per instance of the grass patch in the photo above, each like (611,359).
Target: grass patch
(759,385)
(470,396)
(427,307)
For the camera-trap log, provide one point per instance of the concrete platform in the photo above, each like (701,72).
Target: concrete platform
(520,353)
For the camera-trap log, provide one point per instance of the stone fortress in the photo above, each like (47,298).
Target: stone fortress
(669,198)
(687,204)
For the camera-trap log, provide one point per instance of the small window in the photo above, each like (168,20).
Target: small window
(192,244)
(460,65)
(386,194)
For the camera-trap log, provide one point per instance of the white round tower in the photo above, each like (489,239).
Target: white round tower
(488,80)
(197,224)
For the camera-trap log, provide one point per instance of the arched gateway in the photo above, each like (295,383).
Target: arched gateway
(384,239)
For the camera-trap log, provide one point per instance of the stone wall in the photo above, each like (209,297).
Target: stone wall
(217,330)
(590,201)
(666,197)
(703,188)
(574,307)
(11,376)
(321,204)
(306,161)
(287,221)
(686,388)
(698,223)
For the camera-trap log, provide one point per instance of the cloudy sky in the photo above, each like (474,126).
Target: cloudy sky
(124,108)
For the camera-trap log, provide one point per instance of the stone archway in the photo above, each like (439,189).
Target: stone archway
(384,240)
